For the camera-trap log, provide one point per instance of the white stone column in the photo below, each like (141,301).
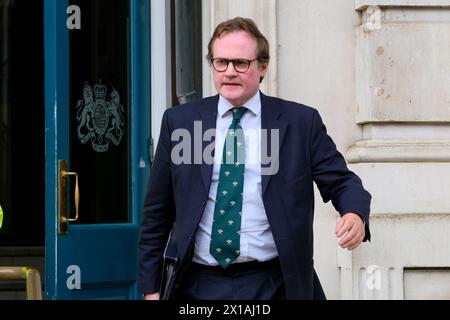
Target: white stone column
(403,105)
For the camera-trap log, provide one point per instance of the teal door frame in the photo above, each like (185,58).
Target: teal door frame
(57,146)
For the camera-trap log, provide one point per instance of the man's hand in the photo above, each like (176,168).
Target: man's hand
(152,296)
(352,226)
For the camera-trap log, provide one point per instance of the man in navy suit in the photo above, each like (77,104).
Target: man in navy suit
(274,257)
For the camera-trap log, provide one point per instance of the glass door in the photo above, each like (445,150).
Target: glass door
(97,128)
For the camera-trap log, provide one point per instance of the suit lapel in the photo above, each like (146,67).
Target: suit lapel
(208,117)
(270,114)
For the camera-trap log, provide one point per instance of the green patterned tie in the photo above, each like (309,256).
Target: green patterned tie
(226,228)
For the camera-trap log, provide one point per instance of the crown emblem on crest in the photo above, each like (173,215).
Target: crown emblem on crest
(100,90)
(100,117)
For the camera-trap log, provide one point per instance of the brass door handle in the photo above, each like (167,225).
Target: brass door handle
(1,217)
(77,195)
(63,174)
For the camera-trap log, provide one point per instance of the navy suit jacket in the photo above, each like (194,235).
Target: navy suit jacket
(306,154)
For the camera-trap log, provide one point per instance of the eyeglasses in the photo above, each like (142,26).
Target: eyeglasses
(240,65)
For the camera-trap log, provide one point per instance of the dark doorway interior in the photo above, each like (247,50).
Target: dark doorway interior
(22,147)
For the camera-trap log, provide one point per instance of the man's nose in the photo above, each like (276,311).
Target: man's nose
(230,71)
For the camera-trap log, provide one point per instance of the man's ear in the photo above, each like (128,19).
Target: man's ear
(263,68)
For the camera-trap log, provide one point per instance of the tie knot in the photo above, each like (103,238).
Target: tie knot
(238,113)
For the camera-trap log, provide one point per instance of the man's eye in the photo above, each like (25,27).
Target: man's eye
(240,63)
(222,62)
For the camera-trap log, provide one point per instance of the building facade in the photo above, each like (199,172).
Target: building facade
(377,71)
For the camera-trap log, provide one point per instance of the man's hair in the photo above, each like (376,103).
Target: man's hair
(242,24)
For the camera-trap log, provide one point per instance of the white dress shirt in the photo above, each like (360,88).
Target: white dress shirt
(256,241)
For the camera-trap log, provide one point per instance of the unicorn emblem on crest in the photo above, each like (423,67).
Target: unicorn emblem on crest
(100,121)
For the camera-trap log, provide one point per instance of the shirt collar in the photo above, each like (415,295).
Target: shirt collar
(254,105)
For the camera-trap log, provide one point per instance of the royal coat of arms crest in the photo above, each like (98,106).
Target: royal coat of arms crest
(100,120)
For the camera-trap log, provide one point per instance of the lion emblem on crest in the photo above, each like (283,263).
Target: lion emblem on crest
(100,120)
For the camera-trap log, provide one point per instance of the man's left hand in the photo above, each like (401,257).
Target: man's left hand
(351,227)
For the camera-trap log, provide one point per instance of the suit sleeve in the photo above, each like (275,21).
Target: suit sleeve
(157,215)
(334,180)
